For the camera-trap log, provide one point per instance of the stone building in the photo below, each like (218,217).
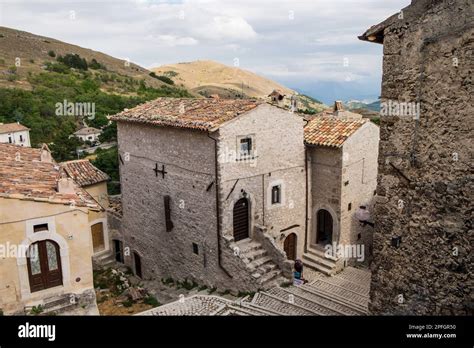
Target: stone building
(15,133)
(45,240)
(217,191)
(423,236)
(88,134)
(342,167)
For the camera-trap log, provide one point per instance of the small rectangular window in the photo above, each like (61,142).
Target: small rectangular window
(10,140)
(349,206)
(246,146)
(169,223)
(40,227)
(276,194)
(195,249)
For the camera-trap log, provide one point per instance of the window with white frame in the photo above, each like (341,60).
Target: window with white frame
(246,148)
(276,194)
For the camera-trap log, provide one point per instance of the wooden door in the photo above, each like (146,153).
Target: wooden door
(290,246)
(138,264)
(118,249)
(241,219)
(44,265)
(324,231)
(98,241)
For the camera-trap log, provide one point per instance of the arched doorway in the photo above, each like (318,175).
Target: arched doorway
(290,246)
(138,264)
(241,219)
(44,265)
(324,227)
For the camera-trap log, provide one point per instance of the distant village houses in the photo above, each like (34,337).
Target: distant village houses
(90,134)
(15,133)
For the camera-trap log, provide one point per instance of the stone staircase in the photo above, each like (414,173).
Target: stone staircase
(55,305)
(316,259)
(259,264)
(104,260)
(346,293)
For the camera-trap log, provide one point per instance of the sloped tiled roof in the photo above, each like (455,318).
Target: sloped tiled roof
(24,176)
(87,131)
(84,173)
(330,131)
(12,127)
(201,114)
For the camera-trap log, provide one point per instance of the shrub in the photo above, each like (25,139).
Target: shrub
(128,303)
(162,78)
(32,61)
(2,61)
(152,301)
(12,69)
(57,67)
(51,53)
(1,35)
(73,61)
(36,310)
(94,64)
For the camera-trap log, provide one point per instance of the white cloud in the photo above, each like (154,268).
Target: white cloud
(308,46)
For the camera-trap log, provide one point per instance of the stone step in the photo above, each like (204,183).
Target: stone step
(300,297)
(265,278)
(332,303)
(283,307)
(321,253)
(255,264)
(352,284)
(267,267)
(318,265)
(357,275)
(355,300)
(254,254)
(246,246)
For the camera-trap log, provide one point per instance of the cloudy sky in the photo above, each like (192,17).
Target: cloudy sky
(308,45)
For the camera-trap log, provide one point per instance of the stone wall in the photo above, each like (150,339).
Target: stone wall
(188,157)
(358,183)
(325,176)
(279,159)
(425,166)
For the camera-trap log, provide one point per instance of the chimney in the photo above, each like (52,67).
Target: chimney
(46,154)
(338,106)
(276,96)
(66,186)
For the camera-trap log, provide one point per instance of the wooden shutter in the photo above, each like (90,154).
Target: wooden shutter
(169,223)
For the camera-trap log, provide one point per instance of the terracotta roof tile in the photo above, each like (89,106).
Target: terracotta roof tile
(84,173)
(330,131)
(202,114)
(24,176)
(87,131)
(12,127)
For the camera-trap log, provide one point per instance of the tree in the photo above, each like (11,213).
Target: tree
(108,162)
(64,147)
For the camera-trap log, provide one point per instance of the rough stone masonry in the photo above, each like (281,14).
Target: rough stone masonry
(425,163)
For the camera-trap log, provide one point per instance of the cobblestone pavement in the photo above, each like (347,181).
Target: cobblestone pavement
(346,293)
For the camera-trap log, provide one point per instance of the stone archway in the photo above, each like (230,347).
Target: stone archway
(241,219)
